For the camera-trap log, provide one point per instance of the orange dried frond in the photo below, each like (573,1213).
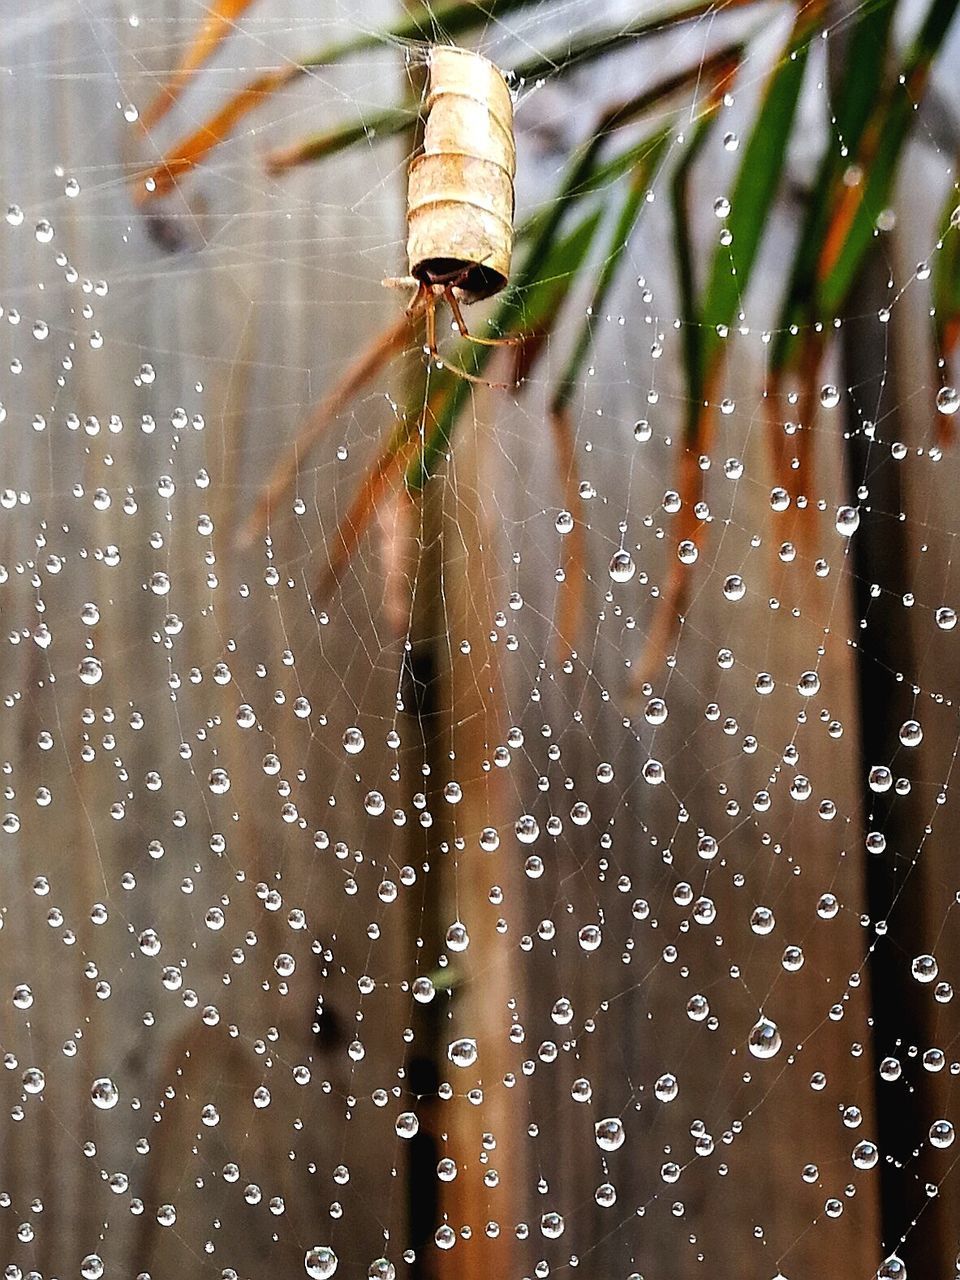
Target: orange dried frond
(283,158)
(841,220)
(188,152)
(219,23)
(846,203)
(669,608)
(369,363)
(389,466)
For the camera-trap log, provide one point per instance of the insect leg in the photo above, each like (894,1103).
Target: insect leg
(430,308)
(427,298)
(461,324)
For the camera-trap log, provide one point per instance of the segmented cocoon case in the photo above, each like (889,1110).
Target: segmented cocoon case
(460,188)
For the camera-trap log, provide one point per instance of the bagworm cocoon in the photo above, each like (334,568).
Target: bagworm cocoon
(460,197)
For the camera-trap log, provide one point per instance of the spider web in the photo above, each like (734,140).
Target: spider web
(370,929)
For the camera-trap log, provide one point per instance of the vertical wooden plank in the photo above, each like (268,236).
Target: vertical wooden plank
(188,1033)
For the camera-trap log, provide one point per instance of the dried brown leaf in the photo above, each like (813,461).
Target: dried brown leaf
(187,152)
(389,466)
(366,366)
(217,26)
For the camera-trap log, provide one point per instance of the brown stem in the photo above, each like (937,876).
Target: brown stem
(369,363)
(390,464)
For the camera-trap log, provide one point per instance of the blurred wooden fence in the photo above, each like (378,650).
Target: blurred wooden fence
(141,416)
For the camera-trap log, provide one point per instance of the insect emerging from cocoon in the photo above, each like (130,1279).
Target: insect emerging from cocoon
(460,197)
(460,206)
(459,244)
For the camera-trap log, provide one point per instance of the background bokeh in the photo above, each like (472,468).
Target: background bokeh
(243,815)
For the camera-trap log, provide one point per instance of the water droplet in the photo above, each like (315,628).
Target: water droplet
(948,400)
(764,1040)
(609,1133)
(90,670)
(687,551)
(562,1012)
(654,773)
(407,1125)
(880,778)
(808,684)
(924,968)
(865,1155)
(848,521)
(462,1053)
(762,921)
(698,1008)
(149,942)
(33,1080)
(219,781)
(666,1088)
(911,733)
(622,567)
(892,1269)
(552,1225)
(320,1262)
(423,990)
(655,712)
(104,1093)
(457,937)
(527,828)
(942,1134)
